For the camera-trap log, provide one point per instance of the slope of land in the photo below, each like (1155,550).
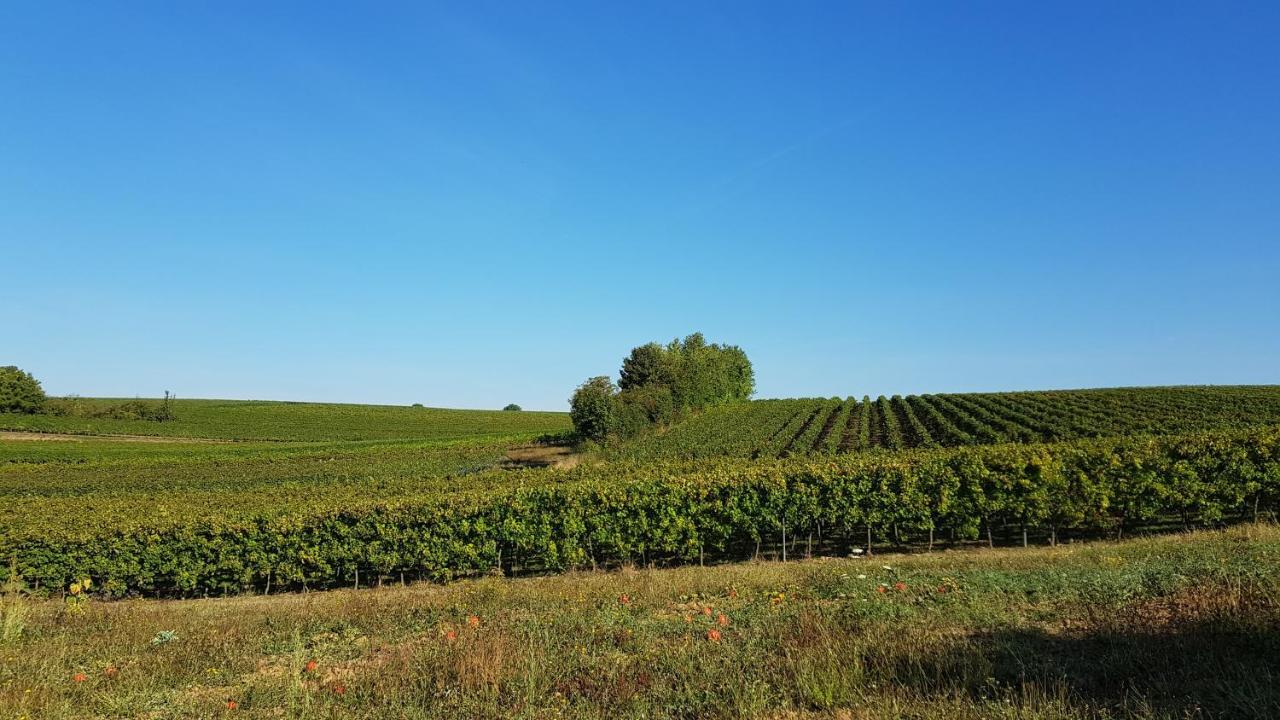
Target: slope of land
(1168,627)
(786,428)
(291,421)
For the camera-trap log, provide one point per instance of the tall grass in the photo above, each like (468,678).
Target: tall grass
(1170,627)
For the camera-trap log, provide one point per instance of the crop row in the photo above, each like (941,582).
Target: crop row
(787,428)
(663,510)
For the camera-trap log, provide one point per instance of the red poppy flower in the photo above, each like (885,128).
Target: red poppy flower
(624,599)
(942,588)
(79,677)
(340,689)
(899,586)
(451,635)
(312,665)
(111,671)
(706,610)
(880,589)
(232,705)
(713,635)
(722,620)
(473,621)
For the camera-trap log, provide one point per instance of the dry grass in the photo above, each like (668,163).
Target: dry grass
(1172,627)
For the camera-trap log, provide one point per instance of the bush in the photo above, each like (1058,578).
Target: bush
(593,408)
(72,406)
(19,391)
(697,374)
(513,408)
(659,383)
(655,402)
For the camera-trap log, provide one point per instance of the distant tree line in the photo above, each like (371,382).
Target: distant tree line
(660,383)
(20,392)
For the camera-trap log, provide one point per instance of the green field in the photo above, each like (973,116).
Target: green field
(784,428)
(1167,628)
(432,500)
(264,500)
(262,420)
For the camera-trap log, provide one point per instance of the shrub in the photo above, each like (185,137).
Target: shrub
(513,408)
(593,408)
(72,406)
(696,373)
(19,391)
(655,402)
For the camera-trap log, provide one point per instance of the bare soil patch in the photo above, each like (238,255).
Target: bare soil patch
(559,456)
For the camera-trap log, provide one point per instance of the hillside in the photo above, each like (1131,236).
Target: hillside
(297,421)
(436,501)
(783,428)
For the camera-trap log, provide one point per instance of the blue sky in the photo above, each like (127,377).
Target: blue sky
(480,203)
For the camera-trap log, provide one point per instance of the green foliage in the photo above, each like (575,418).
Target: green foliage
(292,421)
(707,375)
(13,605)
(756,429)
(19,391)
(513,408)
(647,365)
(659,383)
(128,410)
(1038,634)
(322,533)
(594,408)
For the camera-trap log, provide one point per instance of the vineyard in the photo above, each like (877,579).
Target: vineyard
(297,422)
(418,498)
(326,517)
(278,498)
(788,428)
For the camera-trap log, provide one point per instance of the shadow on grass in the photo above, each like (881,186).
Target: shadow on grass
(1199,669)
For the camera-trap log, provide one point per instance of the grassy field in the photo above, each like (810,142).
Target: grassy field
(262,420)
(1178,626)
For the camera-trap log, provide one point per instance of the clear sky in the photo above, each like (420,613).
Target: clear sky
(482,203)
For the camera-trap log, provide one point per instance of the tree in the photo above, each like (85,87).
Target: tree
(513,408)
(592,408)
(658,383)
(647,365)
(19,391)
(711,374)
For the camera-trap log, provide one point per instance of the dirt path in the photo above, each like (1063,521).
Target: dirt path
(67,437)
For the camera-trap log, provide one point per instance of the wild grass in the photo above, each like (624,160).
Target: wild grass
(1181,626)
